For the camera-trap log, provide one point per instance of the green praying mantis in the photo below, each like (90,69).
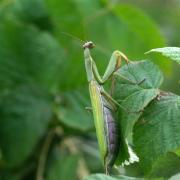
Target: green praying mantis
(103,105)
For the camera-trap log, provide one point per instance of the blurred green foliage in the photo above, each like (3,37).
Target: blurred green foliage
(44,128)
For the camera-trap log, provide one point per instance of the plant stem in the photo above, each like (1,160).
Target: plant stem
(43,155)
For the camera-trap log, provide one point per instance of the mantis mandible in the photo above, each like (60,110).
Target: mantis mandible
(103,105)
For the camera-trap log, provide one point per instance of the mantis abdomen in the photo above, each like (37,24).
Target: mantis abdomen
(112,138)
(105,124)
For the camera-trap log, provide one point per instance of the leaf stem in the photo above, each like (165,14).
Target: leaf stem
(44,153)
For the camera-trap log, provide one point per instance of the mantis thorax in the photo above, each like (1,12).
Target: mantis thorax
(88,64)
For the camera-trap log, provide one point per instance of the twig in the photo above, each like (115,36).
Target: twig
(43,155)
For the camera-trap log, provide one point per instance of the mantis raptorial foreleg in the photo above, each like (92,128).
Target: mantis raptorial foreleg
(114,64)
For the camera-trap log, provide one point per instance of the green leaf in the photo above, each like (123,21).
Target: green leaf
(127,11)
(91,154)
(65,16)
(123,154)
(136,85)
(24,116)
(171,52)
(6,175)
(63,167)
(105,177)
(72,110)
(32,12)
(28,55)
(166,166)
(157,132)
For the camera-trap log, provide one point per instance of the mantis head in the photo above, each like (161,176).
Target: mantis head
(88,45)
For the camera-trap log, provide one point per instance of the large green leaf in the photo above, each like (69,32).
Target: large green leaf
(136,84)
(28,55)
(91,155)
(32,11)
(24,116)
(65,15)
(72,113)
(170,52)
(157,132)
(166,166)
(63,167)
(127,11)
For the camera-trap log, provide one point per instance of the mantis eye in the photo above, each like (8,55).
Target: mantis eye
(89,45)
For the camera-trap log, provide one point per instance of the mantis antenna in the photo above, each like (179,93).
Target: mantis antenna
(101,49)
(72,36)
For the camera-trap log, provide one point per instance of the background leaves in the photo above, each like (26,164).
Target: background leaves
(22,128)
(43,84)
(22,63)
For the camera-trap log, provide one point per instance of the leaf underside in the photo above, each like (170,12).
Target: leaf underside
(171,52)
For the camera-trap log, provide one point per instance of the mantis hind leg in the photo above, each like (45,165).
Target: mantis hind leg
(114,104)
(111,102)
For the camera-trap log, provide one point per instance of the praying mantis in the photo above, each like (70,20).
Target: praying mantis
(103,105)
